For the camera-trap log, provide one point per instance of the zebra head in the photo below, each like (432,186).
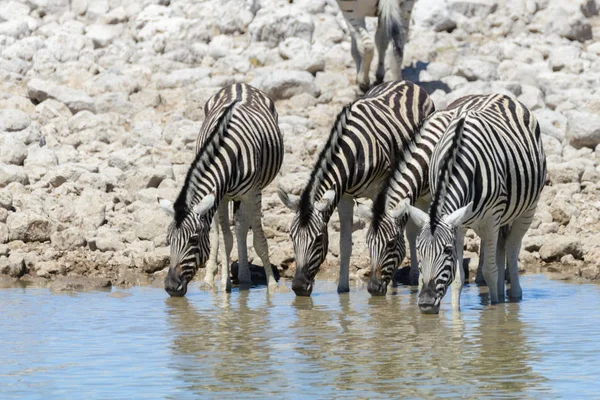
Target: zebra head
(189,242)
(309,238)
(385,239)
(437,254)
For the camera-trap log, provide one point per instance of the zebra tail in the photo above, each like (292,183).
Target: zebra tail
(186,196)
(390,15)
(446,172)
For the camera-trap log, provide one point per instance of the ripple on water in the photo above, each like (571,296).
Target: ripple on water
(139,343)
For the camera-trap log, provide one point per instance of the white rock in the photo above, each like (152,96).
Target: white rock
(12,173)
(562,56)
(151,223)
(113,102)
(552,123)
(551,145)
(13,120)
(12,150)
(474,8)
(532,97)
(220,46)
(28,227)
(475,68)
(89,209)
(50,108)
(583,129)
(6,199)
(181,77)
(102,35)
(274,26)
(41,156)
(39,90)
(13,10)
(281,84)
(79,7)
(14,28)
(433,14)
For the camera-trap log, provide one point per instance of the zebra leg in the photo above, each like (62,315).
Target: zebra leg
(513,245)
(479,279)
(345,211)
(242,225)
(489,241)
(459,276)
(211,266)
(412,232)
(382,41)
(501,264)
(260,240)
(227,238)
(363,48)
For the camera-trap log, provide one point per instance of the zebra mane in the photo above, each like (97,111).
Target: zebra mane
(439,197)
(307,197)
(399,165)
(183,204)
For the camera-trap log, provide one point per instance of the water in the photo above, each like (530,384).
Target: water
(141,344)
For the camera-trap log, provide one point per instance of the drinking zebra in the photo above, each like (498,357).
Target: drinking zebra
(407,184)
(240,152)
(389,27)
(487,171)
(356,158)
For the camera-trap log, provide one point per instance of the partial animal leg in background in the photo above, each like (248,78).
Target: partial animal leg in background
(260,240)
(489,241)
(345,211)
(242,225)
(227,238)
(382,41)
(362,48)
(501,264)
(513,245)
(211,265)
(459,273)
(390,27)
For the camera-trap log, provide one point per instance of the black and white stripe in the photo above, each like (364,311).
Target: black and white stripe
(407,184)
(355,160)
(488,171)
(240,151)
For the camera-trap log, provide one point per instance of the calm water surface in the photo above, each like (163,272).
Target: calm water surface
(145,345)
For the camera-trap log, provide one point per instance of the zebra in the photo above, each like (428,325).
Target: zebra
(355,160)
(389,27)
(407,184)
(240,152)
(487,171)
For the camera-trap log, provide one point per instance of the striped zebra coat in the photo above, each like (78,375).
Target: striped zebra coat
(408,183)
(487,171)
(240,151)
(356,158)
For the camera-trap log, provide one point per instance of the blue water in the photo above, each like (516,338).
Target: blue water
(141,344)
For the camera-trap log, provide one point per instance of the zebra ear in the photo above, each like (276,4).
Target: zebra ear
(205,204)
(459,216)
(166,206)
(419,217)
(326,200)
(399,210)
(365,213)
(289,200)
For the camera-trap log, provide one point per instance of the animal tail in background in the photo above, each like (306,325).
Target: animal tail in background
(389,14)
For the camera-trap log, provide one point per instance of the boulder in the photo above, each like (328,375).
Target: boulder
(433,14)
(77,100)
(13,120)
(281,84)
(151,222)
(474,8)
(555,247)
(12,173)
(12,150)
(551,123)
(583,129)
(102,35)
(275,25)
(67,240)
(28,226)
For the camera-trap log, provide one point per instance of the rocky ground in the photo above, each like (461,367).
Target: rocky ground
(101,102)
